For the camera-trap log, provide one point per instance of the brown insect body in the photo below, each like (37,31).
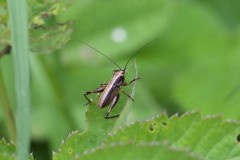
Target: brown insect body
(111,90)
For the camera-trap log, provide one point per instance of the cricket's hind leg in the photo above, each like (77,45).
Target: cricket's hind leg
(114,102)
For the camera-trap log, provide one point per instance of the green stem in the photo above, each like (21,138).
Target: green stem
(20,44)
(8,114)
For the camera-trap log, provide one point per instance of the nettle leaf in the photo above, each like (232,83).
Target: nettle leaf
(46,33)
(4,30)
(209,137)
(47,40)
(8,151)
(97,127)
(141,151)
(205,138)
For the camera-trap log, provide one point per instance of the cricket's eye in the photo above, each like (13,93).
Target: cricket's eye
(119,80)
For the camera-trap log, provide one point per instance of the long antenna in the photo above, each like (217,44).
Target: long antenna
(102,54)
(138,51)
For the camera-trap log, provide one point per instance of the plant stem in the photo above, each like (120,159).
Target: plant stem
(20,44)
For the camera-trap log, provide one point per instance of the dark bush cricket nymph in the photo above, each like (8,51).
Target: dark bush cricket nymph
(111,91)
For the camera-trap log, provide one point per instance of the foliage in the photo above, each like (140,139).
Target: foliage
(192,64)
(202,138)
(8,151)
(46,33)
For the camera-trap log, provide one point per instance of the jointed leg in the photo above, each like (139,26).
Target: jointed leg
(114,102)
(127,83)
(98,90)
(126,94)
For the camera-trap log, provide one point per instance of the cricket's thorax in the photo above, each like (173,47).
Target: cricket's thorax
(111,89)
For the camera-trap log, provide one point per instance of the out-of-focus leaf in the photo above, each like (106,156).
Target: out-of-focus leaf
(5,46)
(48,39)
(47,103)
(4,30)
(143,108)
(8,151)
(138,21)
(46,33)
(208,65)
(228,11)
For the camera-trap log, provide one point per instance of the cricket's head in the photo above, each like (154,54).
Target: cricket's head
(118,75)
(119,72)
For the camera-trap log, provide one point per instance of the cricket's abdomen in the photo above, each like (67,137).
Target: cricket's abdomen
(111,90)
(105,98)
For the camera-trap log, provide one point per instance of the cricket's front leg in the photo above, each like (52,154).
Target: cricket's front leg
(127,83)
(98,90)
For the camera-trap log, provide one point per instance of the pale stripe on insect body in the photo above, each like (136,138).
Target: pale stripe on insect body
(115,82)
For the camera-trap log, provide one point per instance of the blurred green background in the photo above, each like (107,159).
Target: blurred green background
(192,63)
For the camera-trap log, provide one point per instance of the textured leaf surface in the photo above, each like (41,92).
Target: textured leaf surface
(150,151)
(4,29)
(8,151)
(210,137)
(46,33)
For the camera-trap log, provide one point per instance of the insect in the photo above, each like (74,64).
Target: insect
(111,91)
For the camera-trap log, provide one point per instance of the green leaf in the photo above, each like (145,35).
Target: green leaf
(229,12)
(51,38)
(141,151)
(8,151)
(209,137)
(144,105)
(47,33)
(97,127)
(142,21)
(4,30)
